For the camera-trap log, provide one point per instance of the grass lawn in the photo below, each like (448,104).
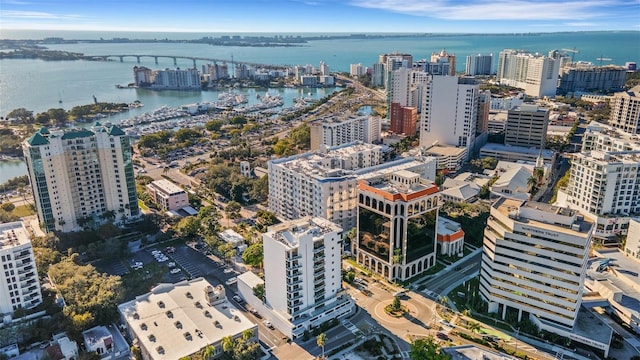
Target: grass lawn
(23,210)
(142,206)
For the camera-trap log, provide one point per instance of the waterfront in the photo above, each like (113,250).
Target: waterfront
(11,168)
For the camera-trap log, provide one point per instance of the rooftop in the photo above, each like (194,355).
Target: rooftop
(13,234)
(96,334)
(472,352)
(446,150)
(167,186)
(337,119)
(517,149)
(175,320)
(544,216)
(290,232)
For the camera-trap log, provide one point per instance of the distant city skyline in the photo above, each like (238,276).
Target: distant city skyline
(445,16)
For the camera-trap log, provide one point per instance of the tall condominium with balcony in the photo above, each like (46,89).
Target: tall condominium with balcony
(625,111)
(302,274)
(338,130)
(604,181)
(533,262)
(81,177)
(527,126)
(479,65)
(19,286)
(323,183)
(537,74)
(449,112)
(397,221)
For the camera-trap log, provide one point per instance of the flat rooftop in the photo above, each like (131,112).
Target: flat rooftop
(167,186)
(175,320)
(13,234)
(441,150)
(447,226)
(472,352)
(508,206)
(289,232)
(517,149)
(590,326)
(623,273)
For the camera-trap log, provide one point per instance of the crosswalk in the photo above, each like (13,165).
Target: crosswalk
(349,325)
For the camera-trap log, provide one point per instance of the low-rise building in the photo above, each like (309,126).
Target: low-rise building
(231,237)
(448,157)
(168,195)
(450,237)
(632,245)
(99,340)
(459,191)
(516,153)
(177,320)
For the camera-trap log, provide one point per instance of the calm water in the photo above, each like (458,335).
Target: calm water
(39,85)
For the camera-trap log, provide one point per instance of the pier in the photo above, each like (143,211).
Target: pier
(194,59)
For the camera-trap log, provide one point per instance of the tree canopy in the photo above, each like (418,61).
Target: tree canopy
(426,349)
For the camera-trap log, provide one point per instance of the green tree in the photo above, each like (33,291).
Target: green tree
(227,344)
(188,227)
(259,291)
(23,115)
(396,305)
(233,210)
(8,206)
(282,147)
(208,352)
(474,326)
(213,125)
(253,255)
(321,340)
(426,349)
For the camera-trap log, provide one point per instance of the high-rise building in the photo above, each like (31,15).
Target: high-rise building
(449,112)
(479,65)
(81,177)
(533,262)
(323,183)
(484,108)
(527,126)
(441,63)
(19,285)
(176,79)
(587,77)
(142,76)
(535,73)
(378,74)
(403,119)
(601,181)
(397,220)
(302,274)
(356,70)
(625,111)
(338,130)
(324,69)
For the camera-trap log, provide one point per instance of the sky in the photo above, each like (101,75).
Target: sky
(412,16)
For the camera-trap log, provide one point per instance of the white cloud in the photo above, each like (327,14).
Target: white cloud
(18,14)
(493,10)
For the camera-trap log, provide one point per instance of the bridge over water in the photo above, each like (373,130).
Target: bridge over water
(192,58)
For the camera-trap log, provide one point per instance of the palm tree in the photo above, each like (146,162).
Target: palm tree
(247,334)
(532,182)
(208,352)
(474,326)
(321,340)
(227,344)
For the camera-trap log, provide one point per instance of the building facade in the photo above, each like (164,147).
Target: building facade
(176,79)
(81,177)
(527,126)
(450,237)
(625,111)
(338,130)
(591,78)
(168,195)
(404,119)
(302,274)
(19,285)
(397,220)
(533,262)
(449,112)
(537,74)
(479,65)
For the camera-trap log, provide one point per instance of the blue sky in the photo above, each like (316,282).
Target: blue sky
(451,16)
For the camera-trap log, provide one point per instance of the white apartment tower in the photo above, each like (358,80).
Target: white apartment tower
(302,273)
(449,112)
(625,111)
(19,285)
(603,181)
(533,262)
(479,65)
(537,74)
(324,69)
(337,130)
(397,221)
(81,177)
(356,70)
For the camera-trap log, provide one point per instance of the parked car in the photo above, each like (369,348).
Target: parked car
(231,281)
(175,271)
(268,324)
(442,336)
(228,270)
(171,264)
(238,299)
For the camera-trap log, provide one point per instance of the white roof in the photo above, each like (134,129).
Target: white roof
(463,192)
(13,234)
(162,318)
(231,237)
(514,179)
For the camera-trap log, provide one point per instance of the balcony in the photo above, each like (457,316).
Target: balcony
(318,249)
(294,281)
(294,297)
